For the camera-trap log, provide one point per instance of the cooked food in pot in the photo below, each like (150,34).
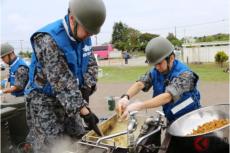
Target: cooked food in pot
(210,126)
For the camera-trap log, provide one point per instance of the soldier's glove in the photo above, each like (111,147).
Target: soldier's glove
(91,121)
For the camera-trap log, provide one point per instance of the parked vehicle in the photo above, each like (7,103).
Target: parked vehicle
(102,51)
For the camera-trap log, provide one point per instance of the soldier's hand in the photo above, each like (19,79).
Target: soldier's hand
(91,121)
(132,107)
(121,105)
(84,111)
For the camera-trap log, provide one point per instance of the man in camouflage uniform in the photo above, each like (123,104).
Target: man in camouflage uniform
(63,74)
(18,72)
(174,84)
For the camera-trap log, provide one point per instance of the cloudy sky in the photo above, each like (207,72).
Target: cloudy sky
(20,18)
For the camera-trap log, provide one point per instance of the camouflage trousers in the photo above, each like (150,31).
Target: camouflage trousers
(48,122)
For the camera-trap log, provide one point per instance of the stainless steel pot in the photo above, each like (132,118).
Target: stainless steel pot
(216,141)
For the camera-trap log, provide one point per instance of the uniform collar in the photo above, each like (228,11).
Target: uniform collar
(14,61)
(65,22)
(171,70)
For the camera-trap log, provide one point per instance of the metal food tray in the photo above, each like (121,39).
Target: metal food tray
(113,126)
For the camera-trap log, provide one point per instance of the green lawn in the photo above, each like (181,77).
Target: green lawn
(206,72)
(122,74)
(210,72)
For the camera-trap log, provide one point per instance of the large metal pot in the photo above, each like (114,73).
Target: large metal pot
(6,141)
(216,141)
(17,124)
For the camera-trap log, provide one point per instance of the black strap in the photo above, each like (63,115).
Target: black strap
(125,95)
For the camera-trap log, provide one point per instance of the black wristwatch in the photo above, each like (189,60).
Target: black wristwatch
(125,95)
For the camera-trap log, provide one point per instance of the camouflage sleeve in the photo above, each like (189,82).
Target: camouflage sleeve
(185,82)
(90,77)
(147,80)
(21,77)
(58,74)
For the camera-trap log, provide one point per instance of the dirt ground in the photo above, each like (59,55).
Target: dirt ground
(211,94)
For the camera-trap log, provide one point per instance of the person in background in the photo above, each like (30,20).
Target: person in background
(63,74)
(126,57)
(18,72)
(174,84)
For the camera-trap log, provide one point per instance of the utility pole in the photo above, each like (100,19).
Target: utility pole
(96,39)
(175,31)
(21,45)
(185,41)
(182,50)
(184,33)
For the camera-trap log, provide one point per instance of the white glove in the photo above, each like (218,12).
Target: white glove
(132,107)
(121,105)
(1,92)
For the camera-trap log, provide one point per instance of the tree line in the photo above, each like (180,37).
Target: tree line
(126,38)
(25,54)
(130,39)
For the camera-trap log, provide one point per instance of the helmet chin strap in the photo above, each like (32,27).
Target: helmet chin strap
(9,59)
(168,65)
(75,31)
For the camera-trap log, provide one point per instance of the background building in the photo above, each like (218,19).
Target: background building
(203,52)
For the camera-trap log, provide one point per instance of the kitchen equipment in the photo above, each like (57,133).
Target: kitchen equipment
(115,133)
(127,136)
(215,141)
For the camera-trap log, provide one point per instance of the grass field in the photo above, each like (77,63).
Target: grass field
(210,72)
(206,72)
